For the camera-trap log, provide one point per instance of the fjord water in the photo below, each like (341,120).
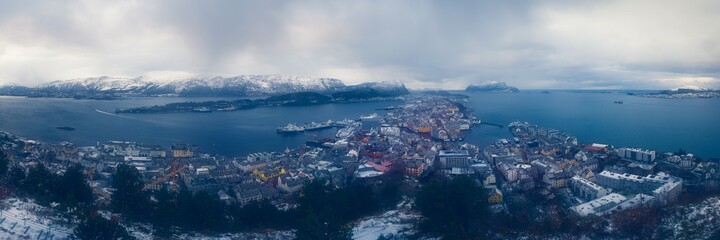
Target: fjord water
(660,124)
(593,117)
(228,133)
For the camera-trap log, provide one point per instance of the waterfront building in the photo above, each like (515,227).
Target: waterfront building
(370,122)
(636,154)
(157,152)
(687,161)
(260,157)
(454,158)
(182,151)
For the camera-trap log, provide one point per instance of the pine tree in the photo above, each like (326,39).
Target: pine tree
(453,209)
(3,166)
(72,189)
(98,228)
(128,197)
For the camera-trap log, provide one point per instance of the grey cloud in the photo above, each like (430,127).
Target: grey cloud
(554,44)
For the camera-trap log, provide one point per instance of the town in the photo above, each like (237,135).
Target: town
(421,138)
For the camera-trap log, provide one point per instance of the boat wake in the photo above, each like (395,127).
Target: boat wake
(112,114)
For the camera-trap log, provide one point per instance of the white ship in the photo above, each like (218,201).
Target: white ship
(345,132)
(345,122)
(290,128)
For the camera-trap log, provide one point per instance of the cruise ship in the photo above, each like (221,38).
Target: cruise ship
(317,126)
(345,122)
(291,128)
(345,132)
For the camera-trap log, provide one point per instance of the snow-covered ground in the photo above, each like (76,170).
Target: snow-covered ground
(274,235)
(20,219)
(695,221)
(398,222)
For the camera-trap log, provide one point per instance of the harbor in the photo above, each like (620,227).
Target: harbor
(312,126)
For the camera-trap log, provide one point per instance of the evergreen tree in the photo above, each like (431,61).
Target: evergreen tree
(98,228)
(165,213)
(453,209)
(3,166)
(209,212)
(128,197)
(184,208)
(325,212)
(39,183)
(16,177)
(72,189)
(321,226)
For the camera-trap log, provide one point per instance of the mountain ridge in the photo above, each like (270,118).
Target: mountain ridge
(240,85)
(491,86)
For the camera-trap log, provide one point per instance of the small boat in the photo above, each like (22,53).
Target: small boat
(202,110)
(227,109)
(618,102)
(66,128)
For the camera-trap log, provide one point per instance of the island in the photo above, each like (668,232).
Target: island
(492,87)
(682,92)
(290,99)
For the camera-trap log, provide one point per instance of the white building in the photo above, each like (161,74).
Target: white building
(260,157)
(636,154)
(663,187)
(588,189)
(454,158)
(599,206)
(509,172)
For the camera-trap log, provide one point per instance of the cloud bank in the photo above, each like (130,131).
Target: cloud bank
(426,44)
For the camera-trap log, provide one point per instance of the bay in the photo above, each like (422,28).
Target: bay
(651,123)
(658,124)
(228,133)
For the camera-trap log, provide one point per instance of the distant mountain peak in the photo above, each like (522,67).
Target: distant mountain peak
(189,84)
(491,86)
(384,84)
(167,76)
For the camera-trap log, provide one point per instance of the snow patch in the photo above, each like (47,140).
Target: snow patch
(21,219)
(400,221)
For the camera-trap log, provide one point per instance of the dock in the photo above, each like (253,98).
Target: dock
(493,124)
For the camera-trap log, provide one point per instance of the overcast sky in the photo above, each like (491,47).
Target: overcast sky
(425,44)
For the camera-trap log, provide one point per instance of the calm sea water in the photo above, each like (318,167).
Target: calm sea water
(660,124)
(229,133)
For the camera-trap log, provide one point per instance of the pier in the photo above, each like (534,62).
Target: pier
(493,124)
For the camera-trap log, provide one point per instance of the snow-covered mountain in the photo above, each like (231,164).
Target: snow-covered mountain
(491,86)
(195,85)
(688,88)
(372,90)
(385,86)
